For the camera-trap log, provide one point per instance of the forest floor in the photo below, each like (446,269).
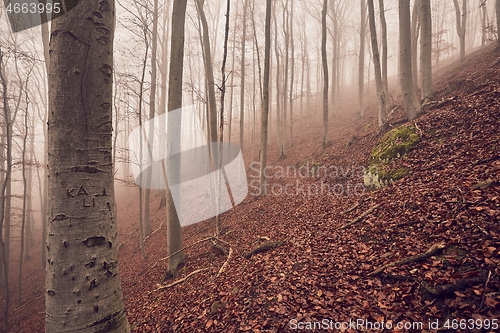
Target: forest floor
(442,217)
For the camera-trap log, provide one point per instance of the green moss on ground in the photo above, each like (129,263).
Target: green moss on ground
(394,144)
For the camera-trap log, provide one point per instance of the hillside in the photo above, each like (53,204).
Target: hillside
(448,202)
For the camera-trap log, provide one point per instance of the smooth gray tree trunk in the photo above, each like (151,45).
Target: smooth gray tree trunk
(265,100)
(83,291)
(426,50)
(174,230)
(412,107)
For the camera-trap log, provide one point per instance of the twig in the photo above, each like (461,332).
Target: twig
(484,291)
(430,252)
(452,287)
(223,268)
(160,287)
(263,247)
(418,128)
(359,218)
(353,207)
(185,247)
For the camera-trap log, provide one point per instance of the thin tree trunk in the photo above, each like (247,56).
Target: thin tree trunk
(325,73)
(265,101)
(212,104)
(242,70)
(361,59)
(152,110)
(497,11)
(25,195)
(461,22)
(426,50)
(4,193)
(383,37)
(292,71)
(174,230)
(376,64)
(413,108)
(415,31)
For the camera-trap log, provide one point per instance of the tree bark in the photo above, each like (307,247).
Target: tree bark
(376,62)
(174,230)
(383,37)
(426,50)
(209,72)
(325,73)
(152,110)
(497,11)
(361,59)
(265,100)
(242,70)
(413,108)
(4,194)
(461,21)
(83,292)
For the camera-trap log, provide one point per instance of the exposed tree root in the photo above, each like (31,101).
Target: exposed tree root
(430,252)
(263,247)
(161,287)
(359,218)
(449,288)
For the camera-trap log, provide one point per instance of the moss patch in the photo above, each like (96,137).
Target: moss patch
(394,144)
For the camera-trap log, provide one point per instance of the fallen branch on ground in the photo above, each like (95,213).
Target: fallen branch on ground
(446,289)
(160,287)
(353,207)
(185,247)
(430,252)
(359,218)
(223,267)
(263,247)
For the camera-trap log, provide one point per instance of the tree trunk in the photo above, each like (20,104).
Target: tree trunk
(292,72)
(497,10)
(383,37)
(412,106)
(163,81)
(426,50)
(4,194)
(25,195)
(83,292)
(152,110)
(242,69)
(209,72)
(376,62)
(415,31)
(461,21)
(325,73)
(361,59)
(174,230)
(265,100)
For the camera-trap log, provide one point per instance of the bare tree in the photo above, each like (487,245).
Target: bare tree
(325,73)
(242,71)
(378,73)
(4,204)
(497,11)
(174,230)
(82,250)
(361,58)
(426,50)
(461,22)
(413,108)
(265,100)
